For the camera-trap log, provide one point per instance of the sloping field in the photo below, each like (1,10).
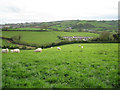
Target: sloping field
(94,66)
(43,37)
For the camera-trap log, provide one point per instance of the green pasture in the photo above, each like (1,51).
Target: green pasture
(97,24)
(24,29)
(43,37)
(94,66)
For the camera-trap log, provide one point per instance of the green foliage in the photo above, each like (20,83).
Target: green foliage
(16,38)
(106,36)
(24,47)
(70,67)
(4,28)
(59,37)
(6,44)
(116,36)
(85,24)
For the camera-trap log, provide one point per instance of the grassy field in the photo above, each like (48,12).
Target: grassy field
(44,37)
(94,66)
(25,29)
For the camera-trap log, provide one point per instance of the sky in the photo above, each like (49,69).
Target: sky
(21,11)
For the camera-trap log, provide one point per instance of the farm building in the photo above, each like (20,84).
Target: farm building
(76,38)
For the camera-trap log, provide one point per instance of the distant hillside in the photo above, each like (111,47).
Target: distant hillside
(77,25)
(70,26)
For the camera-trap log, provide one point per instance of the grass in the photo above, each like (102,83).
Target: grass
(44,37)
(25,29)
(6,43)
(94,66)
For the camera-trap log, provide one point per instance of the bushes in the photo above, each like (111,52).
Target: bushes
(16,38)
(24,47)
(5,29)
(10,47)
(14,47)
(106,36)
(61,38)
(117,37)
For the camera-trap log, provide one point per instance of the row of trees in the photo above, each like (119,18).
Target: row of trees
(107,36)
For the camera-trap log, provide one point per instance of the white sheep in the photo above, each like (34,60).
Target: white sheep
(84,40)
(38,50)
(16,50)
(81,46)
(51,47)
(58,48)
(12,51)
(5,50)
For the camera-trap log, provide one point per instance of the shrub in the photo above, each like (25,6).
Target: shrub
(61,38)
(10,47)
(24,47)
(106,36)
(17,38)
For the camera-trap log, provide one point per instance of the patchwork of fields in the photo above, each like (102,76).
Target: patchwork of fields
(95,66)
(72,25)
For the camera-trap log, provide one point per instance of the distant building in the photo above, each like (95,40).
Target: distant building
(1,27)
(69,28)
(77,38)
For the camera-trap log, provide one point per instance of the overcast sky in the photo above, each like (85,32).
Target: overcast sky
(17,11)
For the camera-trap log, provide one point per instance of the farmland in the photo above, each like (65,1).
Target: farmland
(43,37)
(25,29)
(69,25)
(94,66)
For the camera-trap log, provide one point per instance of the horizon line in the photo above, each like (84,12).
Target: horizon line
(62,20)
